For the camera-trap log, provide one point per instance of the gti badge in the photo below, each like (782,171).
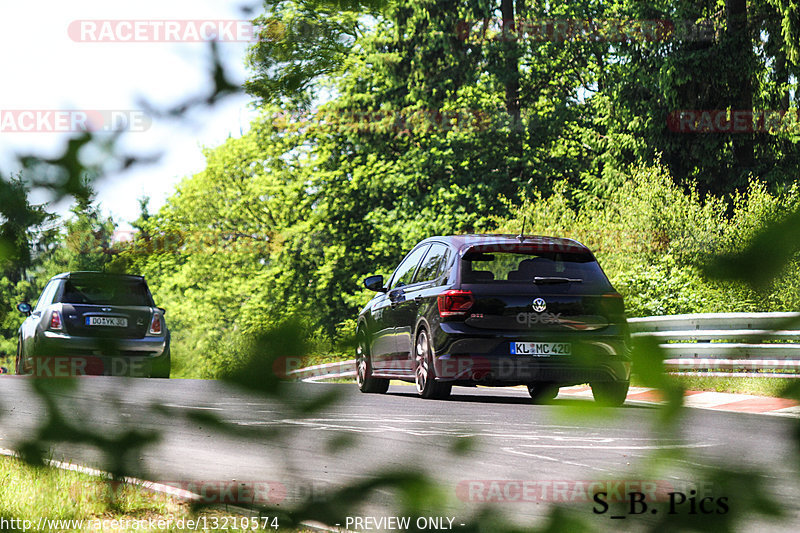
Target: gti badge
(539,305)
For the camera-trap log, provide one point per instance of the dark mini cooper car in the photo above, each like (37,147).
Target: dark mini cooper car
(94,323)
(495,310)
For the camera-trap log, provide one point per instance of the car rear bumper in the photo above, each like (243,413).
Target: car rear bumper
(487,359)
(519,370)
(53,343)
(59,355)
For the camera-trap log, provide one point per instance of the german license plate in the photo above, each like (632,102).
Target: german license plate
(541,349)
(114,322)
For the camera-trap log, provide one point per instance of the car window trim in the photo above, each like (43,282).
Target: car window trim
(48,293)
(147,295)
(59,292)
(447,264)
(438,273)
(416,267)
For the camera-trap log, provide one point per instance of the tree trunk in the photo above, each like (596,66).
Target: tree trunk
(782,78)
(511,60)
(741,83)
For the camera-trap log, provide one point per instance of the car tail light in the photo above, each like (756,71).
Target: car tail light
(55,320)
(155,325)
(455,303)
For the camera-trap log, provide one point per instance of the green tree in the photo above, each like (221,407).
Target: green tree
(208,254)
(19,223)
(25,232)
(731,56)
(302,42)
(86,240)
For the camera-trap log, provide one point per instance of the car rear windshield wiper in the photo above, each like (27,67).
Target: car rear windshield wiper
(539,280)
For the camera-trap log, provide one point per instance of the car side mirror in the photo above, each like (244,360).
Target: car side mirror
(374,283)
(24,308)
(163,311)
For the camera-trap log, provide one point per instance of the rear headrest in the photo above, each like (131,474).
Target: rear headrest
(479,276)
(533,267)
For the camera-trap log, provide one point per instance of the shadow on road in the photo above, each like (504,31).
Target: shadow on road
(503,399)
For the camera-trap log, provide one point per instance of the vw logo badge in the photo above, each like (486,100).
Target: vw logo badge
(539,305)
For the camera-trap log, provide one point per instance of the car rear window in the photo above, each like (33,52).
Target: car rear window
(540,268)
(106,292)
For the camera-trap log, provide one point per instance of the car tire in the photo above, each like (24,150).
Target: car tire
(424,372)
(162,366)
(610,393)
(366,383)
(18,363)
(543,392)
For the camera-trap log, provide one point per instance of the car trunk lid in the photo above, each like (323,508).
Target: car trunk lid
(123,322)
(541,311)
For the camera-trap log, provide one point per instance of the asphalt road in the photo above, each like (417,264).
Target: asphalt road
(481,445)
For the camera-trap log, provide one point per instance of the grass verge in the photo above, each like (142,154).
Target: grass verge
(773,387)
(33,498)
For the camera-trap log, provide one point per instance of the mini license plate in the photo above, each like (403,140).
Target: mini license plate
(114,322)
(541,349)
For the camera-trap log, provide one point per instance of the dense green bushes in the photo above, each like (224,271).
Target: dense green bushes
(654,240)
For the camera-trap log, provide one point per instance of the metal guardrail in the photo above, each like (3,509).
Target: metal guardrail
(712,344)
(726,344)
(341,369)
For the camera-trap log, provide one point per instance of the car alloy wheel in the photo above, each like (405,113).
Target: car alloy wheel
(543,392)
(361,370)
(364,380)
(610,393)
(19,363)
(424,375)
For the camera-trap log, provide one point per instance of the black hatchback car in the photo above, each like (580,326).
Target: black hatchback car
(497,310)
(94,323)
